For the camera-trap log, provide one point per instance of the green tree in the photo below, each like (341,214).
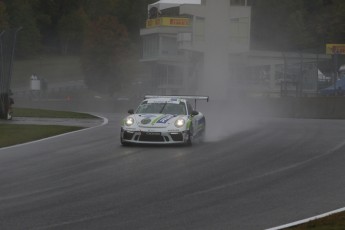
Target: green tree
(100,8)
(270,23)
(48,16)
(104,48)
(52,24)
(3,16)
(298,24)
(21,14)
(298,33)
(329,23)
(71,30)
(133,14)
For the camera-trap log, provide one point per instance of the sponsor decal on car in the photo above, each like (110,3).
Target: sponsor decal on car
(173,130)
(145,121)
(162,119)
(189,122)
(165,119)
(148,115)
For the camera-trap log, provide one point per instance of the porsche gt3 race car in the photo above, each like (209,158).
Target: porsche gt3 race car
(164,120)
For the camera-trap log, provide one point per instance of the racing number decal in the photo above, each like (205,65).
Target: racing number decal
(165,119)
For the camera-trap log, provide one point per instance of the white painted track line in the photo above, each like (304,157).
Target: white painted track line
(105,121)
(307,220)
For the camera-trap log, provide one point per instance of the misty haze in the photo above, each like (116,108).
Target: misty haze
(172,114)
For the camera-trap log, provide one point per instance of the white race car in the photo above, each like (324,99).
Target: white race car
(164,120)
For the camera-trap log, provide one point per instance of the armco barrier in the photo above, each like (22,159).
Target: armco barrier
(293,107)
(304,107)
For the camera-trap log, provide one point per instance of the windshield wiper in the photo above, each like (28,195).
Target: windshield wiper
(163,107)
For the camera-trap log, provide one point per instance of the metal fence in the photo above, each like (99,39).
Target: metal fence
(282,74)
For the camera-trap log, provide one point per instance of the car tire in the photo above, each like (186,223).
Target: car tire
(190,136)
(203,134)
(123,143)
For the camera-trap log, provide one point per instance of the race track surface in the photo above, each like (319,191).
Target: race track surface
(272,173)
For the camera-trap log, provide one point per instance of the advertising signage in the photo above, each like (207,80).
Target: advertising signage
(335,49)
(167,21)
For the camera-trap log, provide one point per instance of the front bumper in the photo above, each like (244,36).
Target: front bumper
(148,137)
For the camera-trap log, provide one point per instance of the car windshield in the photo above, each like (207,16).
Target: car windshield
(162,107)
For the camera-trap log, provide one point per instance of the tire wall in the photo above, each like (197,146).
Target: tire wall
(4,105)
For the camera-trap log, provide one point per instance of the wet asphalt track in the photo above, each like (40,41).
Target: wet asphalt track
(279,171)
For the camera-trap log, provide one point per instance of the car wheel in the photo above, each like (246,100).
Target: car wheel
(190,136)
(203,134)
(123,143)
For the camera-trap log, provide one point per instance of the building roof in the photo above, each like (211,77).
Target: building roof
(164,4)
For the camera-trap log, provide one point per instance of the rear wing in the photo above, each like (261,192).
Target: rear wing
(189,97)
(179,97)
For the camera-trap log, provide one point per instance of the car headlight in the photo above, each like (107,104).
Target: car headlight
(129,121)
(179,123)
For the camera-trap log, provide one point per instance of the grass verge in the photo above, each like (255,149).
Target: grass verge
(12,134)
(51,68)
(42,113)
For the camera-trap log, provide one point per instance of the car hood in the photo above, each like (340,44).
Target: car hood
(156,120)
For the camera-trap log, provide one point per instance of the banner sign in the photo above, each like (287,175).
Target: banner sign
(335,49)
(167,21)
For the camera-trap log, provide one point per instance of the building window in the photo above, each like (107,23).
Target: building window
(168,75)
(150,46)
(238,3)
(239,30)
(199,29)
(168,46)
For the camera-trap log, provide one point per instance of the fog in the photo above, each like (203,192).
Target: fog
(233,116)
(228,112)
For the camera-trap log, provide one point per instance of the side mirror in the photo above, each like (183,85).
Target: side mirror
(194,113)
(131,111)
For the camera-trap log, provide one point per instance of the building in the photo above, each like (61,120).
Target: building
(203,47)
